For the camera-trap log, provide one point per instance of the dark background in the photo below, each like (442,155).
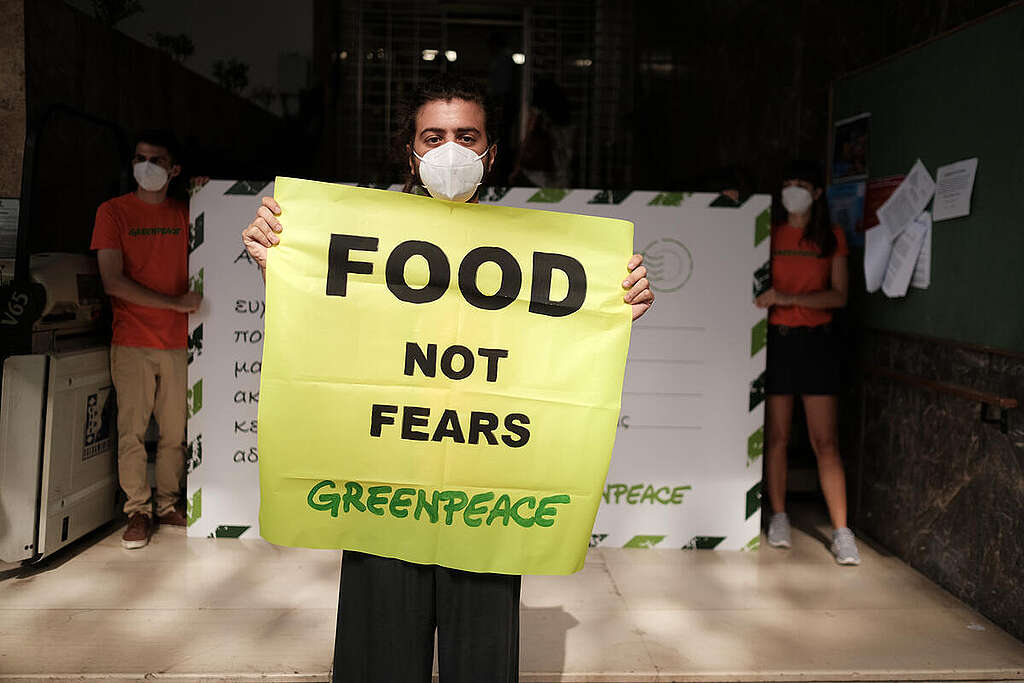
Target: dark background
(695,95)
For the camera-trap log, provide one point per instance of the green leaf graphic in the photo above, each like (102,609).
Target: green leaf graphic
(758,337)
(195,398)
(755,446)
(762,279)
(247,187)
(669,198)
(195,507)
(548,195)
(753,500)
(763,226)
(610,197)
(644,541)
(195,233)
(195,282)
(757,391)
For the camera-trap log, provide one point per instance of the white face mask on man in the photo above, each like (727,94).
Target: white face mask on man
(796,199)
(451,171)
(150,176)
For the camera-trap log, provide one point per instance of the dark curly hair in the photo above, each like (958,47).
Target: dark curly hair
(819,228)
(444,87)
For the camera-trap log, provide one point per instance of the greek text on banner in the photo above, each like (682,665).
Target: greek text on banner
(441,381)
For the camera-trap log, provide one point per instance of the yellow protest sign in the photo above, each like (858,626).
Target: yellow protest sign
(440,381)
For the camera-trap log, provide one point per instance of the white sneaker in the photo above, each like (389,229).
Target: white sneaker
(779,534)
(844,547)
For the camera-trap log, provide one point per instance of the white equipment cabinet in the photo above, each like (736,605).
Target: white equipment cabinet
(58,435)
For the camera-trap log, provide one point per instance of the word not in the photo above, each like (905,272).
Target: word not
(339,266)
(449,425)
(427,361)
(641,493)
(476,510)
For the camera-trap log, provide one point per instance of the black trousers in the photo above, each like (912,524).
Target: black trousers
(388,610)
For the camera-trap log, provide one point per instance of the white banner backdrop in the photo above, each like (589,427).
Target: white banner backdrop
(686,471)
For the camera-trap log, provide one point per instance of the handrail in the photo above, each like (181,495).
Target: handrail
(952,343)
(986,399)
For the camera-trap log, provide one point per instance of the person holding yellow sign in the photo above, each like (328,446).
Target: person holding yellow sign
(390,608)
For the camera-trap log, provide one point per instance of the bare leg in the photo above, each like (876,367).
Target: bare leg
(778,420)
(823,430)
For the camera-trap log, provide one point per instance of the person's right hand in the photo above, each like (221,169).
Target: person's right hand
(261,234)
(188,302)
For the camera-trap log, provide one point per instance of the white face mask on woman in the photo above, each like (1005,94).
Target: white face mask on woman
(149,176)
(451,171)
(796,199)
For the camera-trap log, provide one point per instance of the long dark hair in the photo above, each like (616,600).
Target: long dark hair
(819,228)
(445,87)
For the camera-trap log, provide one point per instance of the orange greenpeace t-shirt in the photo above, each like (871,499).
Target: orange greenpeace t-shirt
(797,269)
(153,239)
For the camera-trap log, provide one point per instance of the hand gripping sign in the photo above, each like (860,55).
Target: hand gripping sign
(441,381)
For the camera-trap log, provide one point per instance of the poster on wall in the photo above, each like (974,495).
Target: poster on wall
(876,193)
(225,350)
(850,147)
(846,208)
(686,466)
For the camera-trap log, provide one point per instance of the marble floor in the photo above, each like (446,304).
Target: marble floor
(237,611)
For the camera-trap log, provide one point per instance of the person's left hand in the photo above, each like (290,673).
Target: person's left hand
(770,298)
(639,297)
(196,183)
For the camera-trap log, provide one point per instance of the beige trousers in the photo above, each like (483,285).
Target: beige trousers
(150,382)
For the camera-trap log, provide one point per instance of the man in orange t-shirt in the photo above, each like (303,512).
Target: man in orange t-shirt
(141,240)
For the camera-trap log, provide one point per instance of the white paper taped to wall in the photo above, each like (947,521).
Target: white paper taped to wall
(954,184)
(877,247)
(908,201)
(923,269)
(903,259)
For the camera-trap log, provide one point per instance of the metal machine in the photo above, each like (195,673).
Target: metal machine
(58,437)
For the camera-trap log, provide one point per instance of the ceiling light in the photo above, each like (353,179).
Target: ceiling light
(519,58)
(451,55)
(429,55)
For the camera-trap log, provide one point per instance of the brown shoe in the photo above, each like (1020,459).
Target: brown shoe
(176,517)
(136,535)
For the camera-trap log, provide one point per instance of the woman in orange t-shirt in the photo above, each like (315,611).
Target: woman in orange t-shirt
(809,281)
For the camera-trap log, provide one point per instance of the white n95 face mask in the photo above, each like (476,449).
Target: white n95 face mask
(149,176)
(796,199)
(451,171)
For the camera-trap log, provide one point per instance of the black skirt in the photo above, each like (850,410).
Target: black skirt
(803,360)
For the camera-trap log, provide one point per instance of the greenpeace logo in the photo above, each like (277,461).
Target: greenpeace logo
(439,506)
(635,494)
(145,232)
(795,252)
